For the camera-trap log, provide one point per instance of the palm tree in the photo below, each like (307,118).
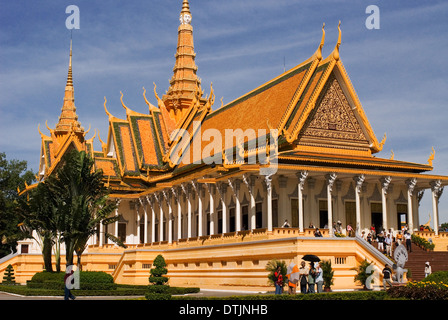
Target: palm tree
(83,200)
(38,210)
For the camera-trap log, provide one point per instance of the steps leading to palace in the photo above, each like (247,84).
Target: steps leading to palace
(418,257)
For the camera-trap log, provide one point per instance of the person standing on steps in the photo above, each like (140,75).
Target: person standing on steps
(428,270)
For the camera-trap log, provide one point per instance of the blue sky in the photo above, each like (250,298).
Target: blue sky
(399,71)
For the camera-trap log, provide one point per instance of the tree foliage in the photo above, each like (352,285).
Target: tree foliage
(13,175)
(70,204)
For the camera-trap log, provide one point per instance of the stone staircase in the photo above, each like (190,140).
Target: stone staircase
(418,257)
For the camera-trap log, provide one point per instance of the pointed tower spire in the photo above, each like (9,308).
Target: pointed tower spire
(68,120)
(184,84)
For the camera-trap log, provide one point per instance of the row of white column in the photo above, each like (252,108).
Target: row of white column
(221,188)
(436,188)
(165,196)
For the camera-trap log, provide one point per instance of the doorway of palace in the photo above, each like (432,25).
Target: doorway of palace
(220,221)
(323,214)
(275,212)
(232,219)
(350,214)
(294,213)
(259,215)
(142,231)
(245,213)
(377,217)
(402,216)
(122,231)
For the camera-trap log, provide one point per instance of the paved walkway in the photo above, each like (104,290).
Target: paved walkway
(203,293)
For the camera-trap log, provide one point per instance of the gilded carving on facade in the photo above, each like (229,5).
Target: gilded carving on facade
(333,118)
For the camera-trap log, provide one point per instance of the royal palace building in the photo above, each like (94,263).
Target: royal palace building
(221,190)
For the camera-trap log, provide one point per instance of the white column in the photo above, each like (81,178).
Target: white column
(146,219)
(153,221)
(101,234)
(302,177)
(187,192)
(437,190)
(234,185)
(170,220)
(268,180)
(250,183)
(176,195)
(138,221)
(212,208)
(411,183)
(385,181)
(222,189)
(198,189)
(160,203)
(116,214)
(331,178)
(359,180)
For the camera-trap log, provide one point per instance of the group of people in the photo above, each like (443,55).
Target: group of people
(310,279)
(387,241)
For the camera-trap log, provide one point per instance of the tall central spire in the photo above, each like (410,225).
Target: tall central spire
(184,84)
(68,120)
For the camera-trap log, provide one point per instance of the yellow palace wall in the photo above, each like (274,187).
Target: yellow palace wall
(229,261)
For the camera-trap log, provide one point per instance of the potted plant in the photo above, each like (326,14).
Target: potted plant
(361,273)
(272,266)
(327,274)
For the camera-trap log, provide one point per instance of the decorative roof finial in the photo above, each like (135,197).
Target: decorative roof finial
(338,44)
(322,41)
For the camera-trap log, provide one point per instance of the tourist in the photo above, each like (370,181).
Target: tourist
(278,280)
(373,231)
(317,233)
(319,279)
(380,240)
(349,230)
(339,227)
(387,276)
(291,286)
(286,224)
(369,238)
(388,244)
(399,238)
(427,269)
(67,292)
(303,277)
(311,278)
(407,237)
(311,226)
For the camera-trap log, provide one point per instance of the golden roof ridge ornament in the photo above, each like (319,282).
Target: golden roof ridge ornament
(338,44)
(105,108)
(122,103)
(150,105)
(318,53)
(431,157)
(382,142)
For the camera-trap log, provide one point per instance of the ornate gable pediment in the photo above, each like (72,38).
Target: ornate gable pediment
(333,119)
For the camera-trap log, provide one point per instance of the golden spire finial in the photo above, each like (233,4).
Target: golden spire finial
(185,7)
(70,74)
(338,44)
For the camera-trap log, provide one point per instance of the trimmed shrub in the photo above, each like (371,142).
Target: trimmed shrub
(89,280)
